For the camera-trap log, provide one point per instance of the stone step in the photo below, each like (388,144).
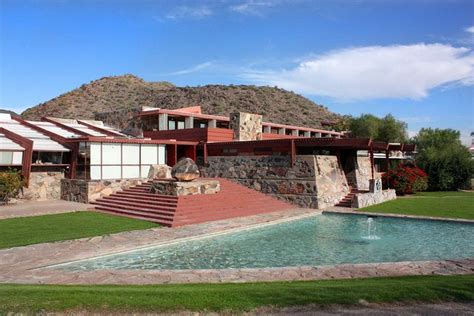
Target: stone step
(137,207)
(148,195)
(159,202)
(161,221)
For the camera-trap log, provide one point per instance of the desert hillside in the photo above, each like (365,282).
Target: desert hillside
(128,93)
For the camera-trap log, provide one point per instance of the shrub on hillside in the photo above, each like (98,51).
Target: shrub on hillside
(405,179)
(11,183)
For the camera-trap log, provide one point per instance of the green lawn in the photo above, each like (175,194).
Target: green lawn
(436,204)
(232,297)
(38,229)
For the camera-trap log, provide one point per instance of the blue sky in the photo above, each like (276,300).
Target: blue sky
(413,59)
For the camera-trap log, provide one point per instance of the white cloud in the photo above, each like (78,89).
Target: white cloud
(399,71)
(252,7)
(182,12)
(192,69)
(470,29)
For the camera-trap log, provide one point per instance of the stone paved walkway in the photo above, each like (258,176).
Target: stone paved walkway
(29,264)
(35,208)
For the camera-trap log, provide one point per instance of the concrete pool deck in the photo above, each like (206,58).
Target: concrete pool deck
(38,208)
(31,264)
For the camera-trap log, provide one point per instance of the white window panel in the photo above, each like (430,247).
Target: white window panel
(6,157)
(111,172)
(95,153)
(149,154)
(130,172)
(17,158)
(111,154)
(161,154)
(144,171)
(95,173)
(131,154)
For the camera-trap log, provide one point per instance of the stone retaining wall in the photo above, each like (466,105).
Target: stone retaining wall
(361,200)
(180,188)
(43,186)
(86,191)
(314,181)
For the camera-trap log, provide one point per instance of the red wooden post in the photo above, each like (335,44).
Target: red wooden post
(205,153)
(293,152)
(372,162)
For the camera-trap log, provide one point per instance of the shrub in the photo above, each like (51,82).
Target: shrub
(447,162)
(11,183)
(405,179)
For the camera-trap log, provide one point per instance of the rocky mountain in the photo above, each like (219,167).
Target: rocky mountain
(126,94)
(8,112)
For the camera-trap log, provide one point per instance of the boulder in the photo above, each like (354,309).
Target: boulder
(159,172)
(185,170)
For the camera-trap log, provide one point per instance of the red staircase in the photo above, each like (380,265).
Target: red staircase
(233,200)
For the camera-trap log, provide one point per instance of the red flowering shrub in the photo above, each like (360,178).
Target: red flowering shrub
(405,179)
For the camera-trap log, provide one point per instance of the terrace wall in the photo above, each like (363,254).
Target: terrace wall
(362,173)
(313,181)
(86,191)
(43,186)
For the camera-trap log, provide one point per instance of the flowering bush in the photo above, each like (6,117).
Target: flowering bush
(405,179)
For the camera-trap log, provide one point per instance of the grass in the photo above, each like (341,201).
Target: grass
(232,297)
(38,229)
(435,204)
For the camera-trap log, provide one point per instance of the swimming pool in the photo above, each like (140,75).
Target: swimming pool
(325,239)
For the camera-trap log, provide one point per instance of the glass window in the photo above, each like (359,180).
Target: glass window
(111,154)
(131,154)
(149,154)
(95,153)
(111,172)
(6,157)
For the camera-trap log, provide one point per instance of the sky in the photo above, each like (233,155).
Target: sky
(413,59)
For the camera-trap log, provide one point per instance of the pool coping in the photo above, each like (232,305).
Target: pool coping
(32,264)
(393,215)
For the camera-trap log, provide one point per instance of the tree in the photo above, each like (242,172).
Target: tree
(387,129)
(444,158)
(392,130)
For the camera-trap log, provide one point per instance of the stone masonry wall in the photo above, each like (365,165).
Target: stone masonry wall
(366,199)
(314,181)
(246,126)
(362,174)
(331,182)
(85,191)
(43,186)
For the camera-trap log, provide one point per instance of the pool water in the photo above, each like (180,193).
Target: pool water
(319,240)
